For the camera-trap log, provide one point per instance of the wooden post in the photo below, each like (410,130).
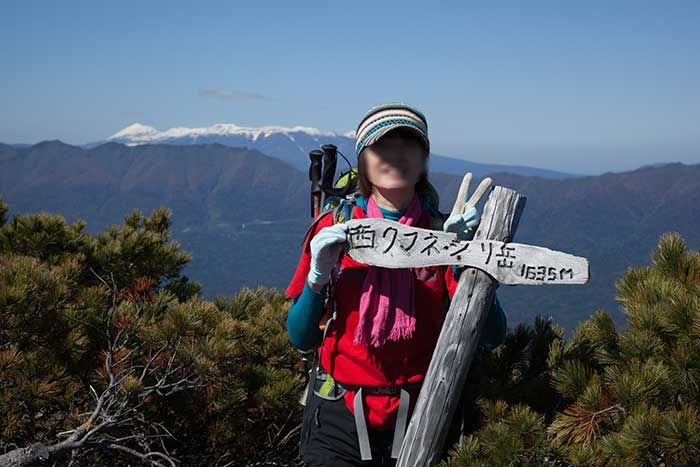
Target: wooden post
(454,352)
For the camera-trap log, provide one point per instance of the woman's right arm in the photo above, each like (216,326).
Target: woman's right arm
(322,248)
(303,318)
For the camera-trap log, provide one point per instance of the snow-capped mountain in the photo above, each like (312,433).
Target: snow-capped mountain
(290,144)
(135,134)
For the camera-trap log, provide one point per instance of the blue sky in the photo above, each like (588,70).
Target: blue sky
(575,86)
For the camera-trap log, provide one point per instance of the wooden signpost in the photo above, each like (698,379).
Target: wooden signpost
(491,259)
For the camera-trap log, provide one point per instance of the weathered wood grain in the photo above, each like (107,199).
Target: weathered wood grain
(385,243)
(460,334)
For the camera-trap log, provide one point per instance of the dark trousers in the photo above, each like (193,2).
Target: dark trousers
(329,436)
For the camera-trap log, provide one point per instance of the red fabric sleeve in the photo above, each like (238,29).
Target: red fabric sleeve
(296,285)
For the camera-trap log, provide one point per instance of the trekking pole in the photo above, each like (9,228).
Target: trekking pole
(315,170)
(304,366)
(330,157)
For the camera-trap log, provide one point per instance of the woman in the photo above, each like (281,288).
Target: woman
(376,351)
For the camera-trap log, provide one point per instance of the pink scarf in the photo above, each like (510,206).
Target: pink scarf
(387,311)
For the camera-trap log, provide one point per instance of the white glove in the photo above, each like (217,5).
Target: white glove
(325,248)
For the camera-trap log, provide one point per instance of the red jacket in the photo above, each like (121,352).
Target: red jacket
(395,362)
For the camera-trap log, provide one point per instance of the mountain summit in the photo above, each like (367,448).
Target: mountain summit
(289,144)
(142,134)
(135,134)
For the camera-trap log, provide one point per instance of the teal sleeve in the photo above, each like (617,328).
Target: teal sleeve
(496,325)
(303,318)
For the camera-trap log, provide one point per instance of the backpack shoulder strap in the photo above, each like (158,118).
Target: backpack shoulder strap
(343,211)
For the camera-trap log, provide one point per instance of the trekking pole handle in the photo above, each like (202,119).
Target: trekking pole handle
(330,158)
(315,174)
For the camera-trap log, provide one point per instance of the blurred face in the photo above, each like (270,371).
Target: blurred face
(394,162)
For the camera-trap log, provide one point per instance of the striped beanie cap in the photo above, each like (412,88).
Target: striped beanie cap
(383,118)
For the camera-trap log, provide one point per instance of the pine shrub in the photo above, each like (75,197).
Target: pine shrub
(621,397)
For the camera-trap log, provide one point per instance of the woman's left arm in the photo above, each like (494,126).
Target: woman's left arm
(494,333)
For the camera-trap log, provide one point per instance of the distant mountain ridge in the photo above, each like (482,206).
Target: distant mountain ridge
(243,214)
(292,145)
(199,182)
